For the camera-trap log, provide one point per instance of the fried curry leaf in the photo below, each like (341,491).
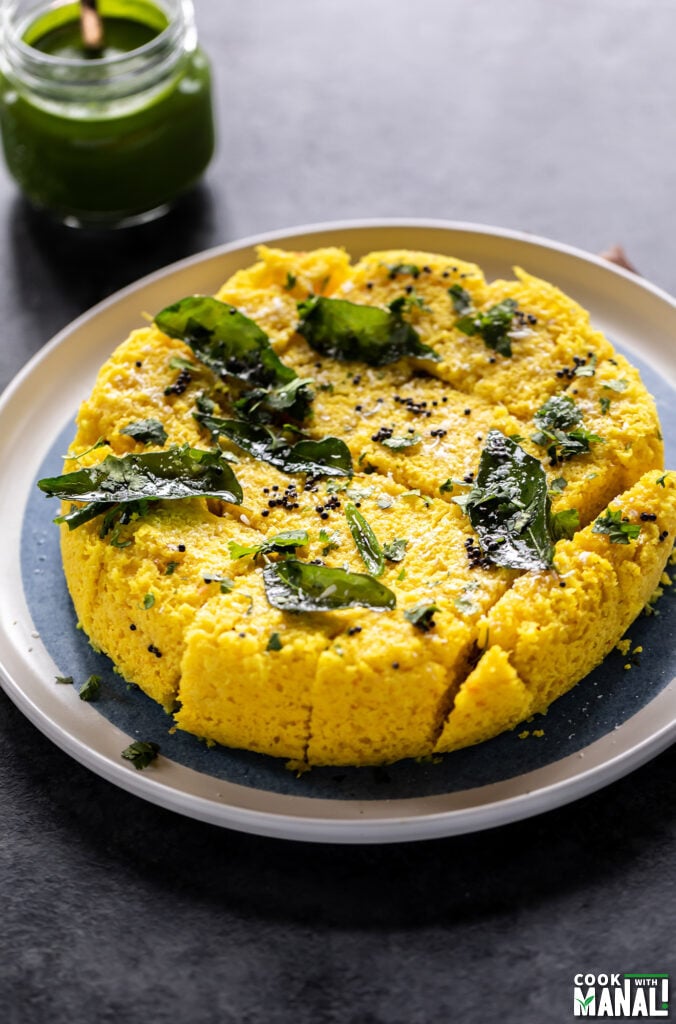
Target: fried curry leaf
(617,529)
(295,586)
(345,330)
(328,457)
(130,479)
(294,399)
(493,325)
(146,431)
(225,340)
(509,506)
(366,541)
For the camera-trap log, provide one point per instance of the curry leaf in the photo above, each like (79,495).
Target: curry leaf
(328,457)
(345,330)
(225,340)
(509,506)
(295,586)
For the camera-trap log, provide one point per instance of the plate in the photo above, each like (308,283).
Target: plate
(613,721)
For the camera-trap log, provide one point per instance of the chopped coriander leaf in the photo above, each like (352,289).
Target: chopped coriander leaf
(585,369)
(407,302)
(465,602)
(555,419)
(226,584)
(402,575)
(330,540)
(91,689)
(171,568)
(63,679)
(421,616)
(148,601)
(281,543)
(146,431)
(605,405)
(565,524)
(345,330)
(616,385)
(179,363)
(415,493)
(558,485)
(301,587)
(395,550)
(617,529)
(660,480)
(398,444)
(384,501)
(402,268)
(290,281)
(366,541)
(274,643)
(461,299)
(493,325)
(448,486)
(141,753)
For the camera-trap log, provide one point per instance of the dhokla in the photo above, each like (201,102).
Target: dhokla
(351,512)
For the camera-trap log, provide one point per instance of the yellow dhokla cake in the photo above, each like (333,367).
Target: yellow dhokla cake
(347,513)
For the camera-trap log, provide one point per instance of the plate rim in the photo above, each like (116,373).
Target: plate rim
(359,828)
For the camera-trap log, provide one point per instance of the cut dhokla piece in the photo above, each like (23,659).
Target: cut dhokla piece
(248,672)
(555,627)
(135,597)
(401,625)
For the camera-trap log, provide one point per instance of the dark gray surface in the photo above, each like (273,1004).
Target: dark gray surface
(557,119)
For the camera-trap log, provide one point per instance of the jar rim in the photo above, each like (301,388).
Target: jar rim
(14,32)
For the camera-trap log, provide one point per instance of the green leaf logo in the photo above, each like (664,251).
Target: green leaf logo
(585,1002)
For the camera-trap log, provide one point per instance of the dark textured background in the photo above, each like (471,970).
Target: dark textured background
(557,119)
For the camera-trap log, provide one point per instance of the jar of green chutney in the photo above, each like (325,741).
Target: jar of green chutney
(111,136)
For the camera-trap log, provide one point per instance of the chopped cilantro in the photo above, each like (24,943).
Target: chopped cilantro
(226,584)
(605,405)
(565,523)
(493,325)
(395,550)
(555,419)
(281,543)
(330,540)
(617,529)
(290,281)
(141,753)
(147,432)
(148,601)
(63,679)
(660,480)
(558,485)
(461,299)
(274,643)
(399,444)
(616,385)
(421,615)
(402,268)
(171,567)
(587,369)
(91,689)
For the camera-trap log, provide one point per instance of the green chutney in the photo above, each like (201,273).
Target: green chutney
(112,136)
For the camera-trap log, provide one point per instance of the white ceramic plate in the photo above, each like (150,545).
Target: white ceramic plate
(257,794)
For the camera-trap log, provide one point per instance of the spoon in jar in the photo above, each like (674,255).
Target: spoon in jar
(91,26)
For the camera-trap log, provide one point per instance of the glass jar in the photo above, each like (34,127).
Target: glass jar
(112,137)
